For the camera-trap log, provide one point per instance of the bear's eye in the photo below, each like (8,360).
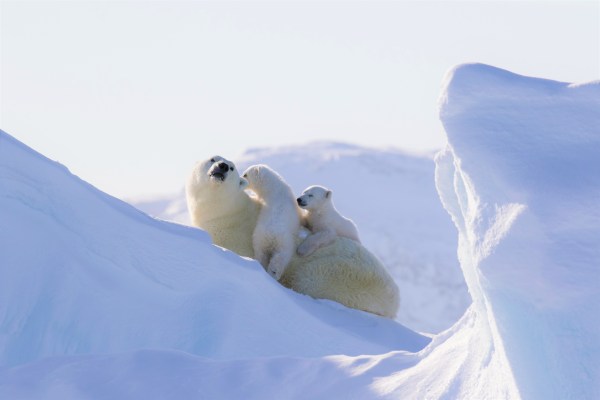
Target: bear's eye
(232,168)
(212,160)
(245,175)
(310,195)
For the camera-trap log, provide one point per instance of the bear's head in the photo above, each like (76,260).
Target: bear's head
(262,180)
(216,176)
(314,197)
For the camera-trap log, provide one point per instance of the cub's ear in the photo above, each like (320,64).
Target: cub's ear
(243,184)
(328,194)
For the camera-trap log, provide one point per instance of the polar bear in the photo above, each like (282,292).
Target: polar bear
(323,220)
(274,237)
(345,271)
(218,204)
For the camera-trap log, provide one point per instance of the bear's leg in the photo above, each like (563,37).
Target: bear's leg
(279,260)
(262,257)
(262,252)
(315,241)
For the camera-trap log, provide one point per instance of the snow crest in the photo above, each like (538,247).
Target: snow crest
(521,180)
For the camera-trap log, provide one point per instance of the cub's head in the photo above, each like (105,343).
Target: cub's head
(253,175)
(215,175)
(314,197)
(262,179)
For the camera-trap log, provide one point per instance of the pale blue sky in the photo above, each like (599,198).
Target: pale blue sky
(129,95)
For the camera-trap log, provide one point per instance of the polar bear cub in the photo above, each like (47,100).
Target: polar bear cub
(274,237)
(323,220)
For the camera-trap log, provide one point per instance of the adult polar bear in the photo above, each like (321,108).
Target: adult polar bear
(344,271)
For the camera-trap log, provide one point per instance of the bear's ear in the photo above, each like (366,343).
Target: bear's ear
(243,184)
(328,194)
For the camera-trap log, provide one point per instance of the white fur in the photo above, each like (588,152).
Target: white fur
(344,271)
(274,237)
(323,220)
(221,207)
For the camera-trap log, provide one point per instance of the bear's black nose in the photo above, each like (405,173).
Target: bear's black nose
(299,200)
(224,166)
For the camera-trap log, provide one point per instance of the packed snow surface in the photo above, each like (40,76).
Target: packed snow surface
(130,307)
(391,196)
(521,179)
(86,273)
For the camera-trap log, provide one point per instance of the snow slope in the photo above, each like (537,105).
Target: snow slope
(391,195)
(85,273)
(520,180)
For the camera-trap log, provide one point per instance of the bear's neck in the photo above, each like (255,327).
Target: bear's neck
(223,205)
(325,210)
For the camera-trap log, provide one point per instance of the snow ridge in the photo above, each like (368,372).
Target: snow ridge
(523,157)
(85,273)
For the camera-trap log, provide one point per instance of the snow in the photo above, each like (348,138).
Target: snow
(84,273)
(521,179)
(391,196)
(110,303)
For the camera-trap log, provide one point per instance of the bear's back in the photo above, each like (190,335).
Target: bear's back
(348,273)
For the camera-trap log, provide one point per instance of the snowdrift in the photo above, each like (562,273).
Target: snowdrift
(520,179)
(85,273)
(391,195)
